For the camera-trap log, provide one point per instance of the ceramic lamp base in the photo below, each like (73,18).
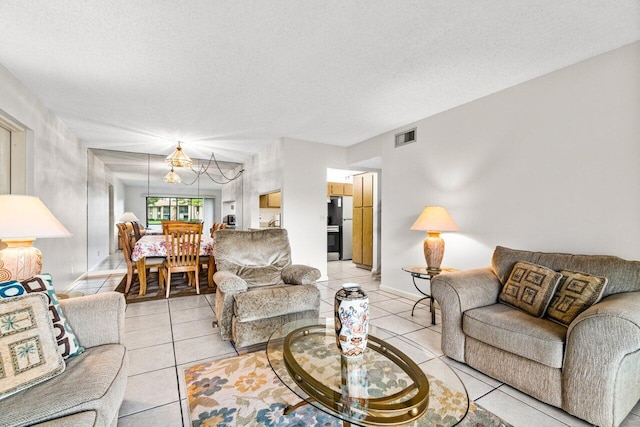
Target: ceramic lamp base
(19,260)
(433,246)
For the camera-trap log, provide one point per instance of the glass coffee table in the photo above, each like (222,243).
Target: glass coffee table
(384,387)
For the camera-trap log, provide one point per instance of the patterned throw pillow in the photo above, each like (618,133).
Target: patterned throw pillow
(67,342)
(576,292)
(28,349)
(530,288)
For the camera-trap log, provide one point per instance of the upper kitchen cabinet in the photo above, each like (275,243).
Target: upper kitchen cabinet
(271,200)
(339,189)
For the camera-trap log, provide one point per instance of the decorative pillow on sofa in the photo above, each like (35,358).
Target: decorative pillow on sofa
(67,342)
(28,348)
(576,292)
(530,288)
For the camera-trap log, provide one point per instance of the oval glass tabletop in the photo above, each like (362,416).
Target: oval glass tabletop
(386,386)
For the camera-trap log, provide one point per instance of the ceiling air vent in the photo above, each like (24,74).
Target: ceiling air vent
(406,137)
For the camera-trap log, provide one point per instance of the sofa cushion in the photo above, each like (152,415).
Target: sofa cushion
(67,342)
(622,275)
(515,331)
(575,293)
(93,381)
(530,288)
(271,301)
(28,348)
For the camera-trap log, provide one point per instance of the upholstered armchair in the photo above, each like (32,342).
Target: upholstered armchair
(259,289)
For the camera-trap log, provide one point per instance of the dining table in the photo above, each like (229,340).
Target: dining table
(155,246)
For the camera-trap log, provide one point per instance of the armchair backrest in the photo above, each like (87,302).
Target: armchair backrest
(622,275)
(256,256)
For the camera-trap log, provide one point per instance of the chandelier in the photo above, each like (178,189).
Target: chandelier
(171,177)
(180,159)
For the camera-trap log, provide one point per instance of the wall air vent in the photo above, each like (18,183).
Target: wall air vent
(406,137)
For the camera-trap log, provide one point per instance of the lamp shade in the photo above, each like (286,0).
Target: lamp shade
(172,178)
(128,217)
(24,217)
(435,218)
(178,158)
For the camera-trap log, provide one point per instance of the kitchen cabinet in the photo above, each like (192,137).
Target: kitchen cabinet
(363,220)
(271,200)
(339,189)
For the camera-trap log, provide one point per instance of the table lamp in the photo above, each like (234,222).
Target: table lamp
(434,220)
(22,220)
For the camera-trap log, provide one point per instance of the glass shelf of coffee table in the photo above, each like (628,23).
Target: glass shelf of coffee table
(383,387)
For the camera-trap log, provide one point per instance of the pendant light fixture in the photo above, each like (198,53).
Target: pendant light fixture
(171,177)
(178,158)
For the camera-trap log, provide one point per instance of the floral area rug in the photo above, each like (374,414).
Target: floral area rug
(244,391)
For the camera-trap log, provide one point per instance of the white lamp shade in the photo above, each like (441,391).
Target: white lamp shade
(128,217)
(24,217)
(435,218)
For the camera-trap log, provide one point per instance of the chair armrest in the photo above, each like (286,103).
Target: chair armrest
(456,293)
(602,360)
(96,319)
(229,283)
(297,274)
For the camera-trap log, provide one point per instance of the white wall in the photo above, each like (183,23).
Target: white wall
(263,174)
(57,173)
(97,210)
(304,198)
(550,165)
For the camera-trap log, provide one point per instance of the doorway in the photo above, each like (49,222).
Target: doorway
(13,158)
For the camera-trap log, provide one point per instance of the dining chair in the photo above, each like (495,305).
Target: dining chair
(206,260)
(127,248)
(165,223)
(182,242)
(214,228)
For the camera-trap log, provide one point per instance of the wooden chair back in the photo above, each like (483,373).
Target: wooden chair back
(125,242)
(214,228)
(182,241)
(167,222)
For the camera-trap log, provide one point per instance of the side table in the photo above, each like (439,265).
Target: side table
(421,272)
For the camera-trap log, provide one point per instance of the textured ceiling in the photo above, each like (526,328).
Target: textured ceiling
(233,76)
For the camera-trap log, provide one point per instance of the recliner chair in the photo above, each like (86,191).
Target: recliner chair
(258,289)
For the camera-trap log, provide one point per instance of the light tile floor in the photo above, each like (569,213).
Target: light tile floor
(164,337)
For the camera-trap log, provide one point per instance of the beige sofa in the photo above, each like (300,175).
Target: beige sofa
(590,369)
(90,390)
(258,289)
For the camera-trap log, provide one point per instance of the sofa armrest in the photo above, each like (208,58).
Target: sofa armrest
(456,293)
(96,319)
(297,274)
(602,360)
(229,283)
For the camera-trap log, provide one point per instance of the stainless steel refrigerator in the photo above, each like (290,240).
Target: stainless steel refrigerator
(347,227)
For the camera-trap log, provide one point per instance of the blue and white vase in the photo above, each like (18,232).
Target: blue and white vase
(351,320)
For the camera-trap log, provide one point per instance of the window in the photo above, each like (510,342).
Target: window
(174,209)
